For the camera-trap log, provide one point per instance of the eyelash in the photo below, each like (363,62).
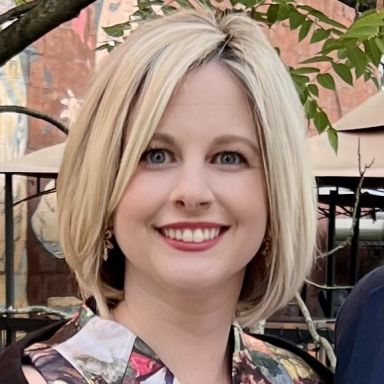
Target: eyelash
(151,150)
(242,157)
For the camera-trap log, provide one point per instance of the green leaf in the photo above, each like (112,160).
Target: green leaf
(373,19)
(116,30)
(326,80)
(358,59)
(333,138)
(363,32)
(317,59)
(304,29)
(321,16)
(320,119)
(380,43)
(310,108)
(304,7)
(295,19)
(336,44)
(313,89)
(259,16)
(300,80)
(341,54)
(319,35)
(344,72)
(284,12)
(272,13)
(369,74)
(303,95)
(373,51)
(107,46)
(304,70)
(19,2)
(336,31)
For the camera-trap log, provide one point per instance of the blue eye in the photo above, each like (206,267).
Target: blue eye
(229,158)
(156,156)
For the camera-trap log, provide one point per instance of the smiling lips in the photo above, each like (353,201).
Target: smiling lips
(192,236)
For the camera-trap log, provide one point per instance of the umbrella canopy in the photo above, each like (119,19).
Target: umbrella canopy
(369,114)
(364,123)
(346,162)
(45,161)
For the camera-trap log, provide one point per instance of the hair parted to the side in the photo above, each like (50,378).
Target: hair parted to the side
(127,98)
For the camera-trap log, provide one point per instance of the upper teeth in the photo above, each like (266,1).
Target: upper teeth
(191,235)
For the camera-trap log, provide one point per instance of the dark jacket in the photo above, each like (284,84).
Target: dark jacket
(360,333)
(11,359)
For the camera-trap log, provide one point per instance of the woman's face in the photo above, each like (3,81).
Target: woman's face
(195,212)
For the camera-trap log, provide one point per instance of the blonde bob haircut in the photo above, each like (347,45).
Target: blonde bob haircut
(127,98)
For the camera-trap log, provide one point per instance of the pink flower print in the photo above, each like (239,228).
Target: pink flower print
(142,365)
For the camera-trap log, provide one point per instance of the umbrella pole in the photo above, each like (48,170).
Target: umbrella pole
(353,277)
(331,243)
(9,251)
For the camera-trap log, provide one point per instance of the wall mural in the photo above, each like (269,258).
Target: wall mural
(13,142)
(108,12)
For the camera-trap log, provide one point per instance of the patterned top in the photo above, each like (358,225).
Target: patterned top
(92,350)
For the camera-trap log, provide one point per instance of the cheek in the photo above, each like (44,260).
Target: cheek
(140,200)
(248,198)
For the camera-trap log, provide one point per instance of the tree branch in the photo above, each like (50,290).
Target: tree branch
(42,18)
(33,113)
(327,287)
(16,12)
(362,171)
(320,340)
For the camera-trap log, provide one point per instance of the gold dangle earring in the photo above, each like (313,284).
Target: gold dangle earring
(265,247)
(108,245)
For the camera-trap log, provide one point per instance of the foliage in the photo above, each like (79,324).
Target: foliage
(349,52)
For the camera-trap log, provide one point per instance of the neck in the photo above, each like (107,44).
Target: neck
(188,331)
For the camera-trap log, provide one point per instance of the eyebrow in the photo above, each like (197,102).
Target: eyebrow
(228,139)
(222,140)
(164,137)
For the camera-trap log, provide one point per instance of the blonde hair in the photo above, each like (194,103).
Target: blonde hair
(130,92)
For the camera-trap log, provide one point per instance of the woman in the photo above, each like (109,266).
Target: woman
(186,203)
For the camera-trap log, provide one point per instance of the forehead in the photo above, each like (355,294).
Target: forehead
(209,96)
(212,84)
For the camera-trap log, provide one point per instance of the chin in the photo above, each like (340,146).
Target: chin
(195,280)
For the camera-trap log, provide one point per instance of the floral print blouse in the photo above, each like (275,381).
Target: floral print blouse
(92,350)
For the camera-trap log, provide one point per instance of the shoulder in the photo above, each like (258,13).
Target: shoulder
(371,286)
(370,282)
(359,331)
(276,360)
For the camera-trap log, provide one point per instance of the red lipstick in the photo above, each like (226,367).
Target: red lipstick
(192,246)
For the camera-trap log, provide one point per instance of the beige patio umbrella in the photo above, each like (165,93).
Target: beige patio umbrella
(367,115)
(345,163)
(43,161)
(364,123)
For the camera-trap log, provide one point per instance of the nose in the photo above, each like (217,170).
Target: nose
(192,190)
